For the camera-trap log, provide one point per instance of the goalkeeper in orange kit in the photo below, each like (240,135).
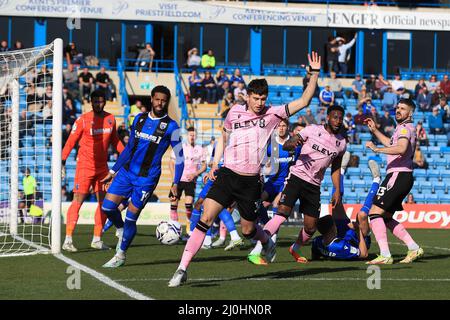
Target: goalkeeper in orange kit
(94,131)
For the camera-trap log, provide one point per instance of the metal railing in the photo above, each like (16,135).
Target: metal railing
(123,91)
(181,97)
(157,65)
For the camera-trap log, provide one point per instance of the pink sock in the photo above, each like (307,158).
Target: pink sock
(223,230)
(302,238)
(261,235)
(192,247)
(379,230)
(400,232)
(274,224)
(173,212)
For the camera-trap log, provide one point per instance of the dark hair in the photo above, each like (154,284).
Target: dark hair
(258,86)
(98,94)
(190,129)
(295,125)
(337,108)
(286,122)
(409,102)
(163,90)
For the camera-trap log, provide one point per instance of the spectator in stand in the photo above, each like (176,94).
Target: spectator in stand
(208,60)
(86,84)
(25,124)
(69,115)
(29,187)
(332,55)
(4,46)
(370,87)
(387,124)
(343,53)
(18,45)
(419,161)
(326,97)
(308,118)
(145,57)
(444,109)
(103,83)
(437,96)
(381,85)
(195,87)
(349,126)
(66,133)
(375,116)
(48,94)
(209,151)
(365,104)
(445,86)
(335,85)
(305,84)
(236,78)
(193,60)
(435,122)
(359,119)
(357,86)
(240,93)
(71,81)
(122,131)
(125,139)
(389,100)
(73,56)
(228,102)
(397,84)
(210,88)
(135,109)
(363,95)
(321,116)
(421,134)
(44,77)
(424,99)
(47,111)
(410,199)
(223,84)
(432,84)
(419,85)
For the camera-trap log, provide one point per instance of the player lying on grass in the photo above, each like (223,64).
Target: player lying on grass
(136,173)
(247,129)
(396,185)
(280,160)
(94,131)
(353,238)
(322,146)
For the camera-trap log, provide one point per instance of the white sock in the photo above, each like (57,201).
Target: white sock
(96,239)
(234,235)
(413,246)
(377,180)
(182,267)
(257,249)
(207,241)
(68,239)
(121,254)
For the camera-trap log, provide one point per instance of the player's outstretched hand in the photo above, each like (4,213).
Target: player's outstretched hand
(108,178)
(335,199)
(371,124)
(314,60)
(211,174)
(371,146)
(173,192)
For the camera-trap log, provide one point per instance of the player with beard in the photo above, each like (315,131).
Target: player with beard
(322,145)
(247,130)
(138,169)
(397,184)
(94,131)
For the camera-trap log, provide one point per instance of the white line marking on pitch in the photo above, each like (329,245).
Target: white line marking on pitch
(95,274)
(286,279)
(426,247)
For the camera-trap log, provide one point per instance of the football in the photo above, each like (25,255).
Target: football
(168,232)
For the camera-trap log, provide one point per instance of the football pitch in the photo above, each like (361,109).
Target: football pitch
(219,275)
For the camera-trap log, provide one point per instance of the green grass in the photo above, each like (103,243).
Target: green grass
(216,274)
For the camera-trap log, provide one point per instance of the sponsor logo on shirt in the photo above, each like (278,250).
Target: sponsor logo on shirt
(100,131)
(162,125)
(322,150)
(149,137)
(250,123)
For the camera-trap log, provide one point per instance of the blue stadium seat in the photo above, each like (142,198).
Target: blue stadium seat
(440,187)
(354,172)
(350,198)
(431,198)
(432,174)
(419,197)
(420,173)
(444,198)
(360,184)
(444,175)
(425,187)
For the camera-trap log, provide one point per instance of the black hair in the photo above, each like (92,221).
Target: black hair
(163,90)
(98,94)
(286,122)
(258,86)
(190,129)
(409,102)
(337,108)
(295,125)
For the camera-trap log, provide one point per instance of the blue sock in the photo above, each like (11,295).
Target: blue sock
(209,232)
(110,209)
(369,199)
(107,226)
(274,210)
(129,230)
(226,217)
(195,218)
(263,216)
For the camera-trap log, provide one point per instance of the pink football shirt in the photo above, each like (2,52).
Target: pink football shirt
(402,163)
(249,134)
(193,158)
(318,152)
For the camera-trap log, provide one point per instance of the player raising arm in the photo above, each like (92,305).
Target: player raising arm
(94,131)
(397,184)
(247,129)
(138,169)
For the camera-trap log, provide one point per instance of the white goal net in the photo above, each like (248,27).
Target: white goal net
(30,150)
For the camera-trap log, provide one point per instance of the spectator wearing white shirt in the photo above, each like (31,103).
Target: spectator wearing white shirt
(397,84)
(240,93)
(432,84)
(193,60)
(343,49)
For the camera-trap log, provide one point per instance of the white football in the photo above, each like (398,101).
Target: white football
(168,232)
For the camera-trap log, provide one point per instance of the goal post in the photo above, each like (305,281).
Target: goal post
(31,111)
